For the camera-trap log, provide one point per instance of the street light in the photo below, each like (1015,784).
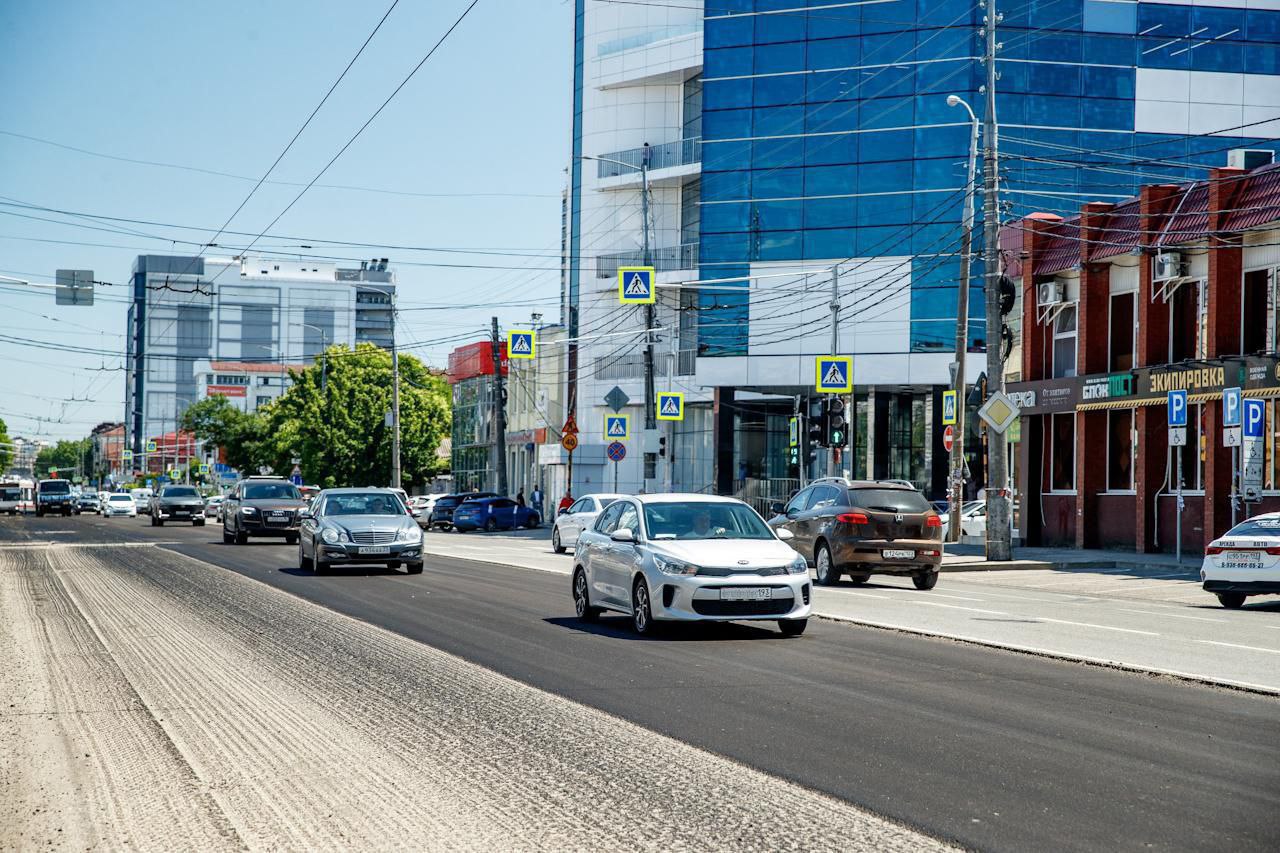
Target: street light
(956,492)
(324,353)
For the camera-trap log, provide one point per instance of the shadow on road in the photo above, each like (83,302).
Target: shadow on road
(619,627)
(342,571)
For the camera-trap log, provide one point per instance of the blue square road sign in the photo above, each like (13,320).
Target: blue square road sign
(1231,407)
(1177,408)
(1254,418)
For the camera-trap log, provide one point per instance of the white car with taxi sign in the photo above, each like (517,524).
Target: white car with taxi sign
(1244,561)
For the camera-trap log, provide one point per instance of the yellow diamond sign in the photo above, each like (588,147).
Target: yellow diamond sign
(999,412)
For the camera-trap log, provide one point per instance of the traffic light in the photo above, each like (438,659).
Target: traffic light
(662,445)
(836,423)
(817,424)
(1008,295)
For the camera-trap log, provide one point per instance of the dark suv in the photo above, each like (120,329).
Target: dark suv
(55,496)
(442,512)
(262,506)
(177,503)
(861,528)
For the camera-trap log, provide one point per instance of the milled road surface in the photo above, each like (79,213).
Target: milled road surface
(157,702)
(991,749)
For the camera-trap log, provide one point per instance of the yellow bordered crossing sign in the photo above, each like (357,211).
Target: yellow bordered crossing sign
(617,427)
(670,405)
(948,408)
(635,286)
(833,374)
(521,343)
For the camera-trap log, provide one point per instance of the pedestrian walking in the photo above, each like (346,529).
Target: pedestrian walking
(520,498)
(535,499)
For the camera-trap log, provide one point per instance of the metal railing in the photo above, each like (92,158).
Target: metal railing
(631,365)
(643,39)
(682,152)
(760,493)
(665,259)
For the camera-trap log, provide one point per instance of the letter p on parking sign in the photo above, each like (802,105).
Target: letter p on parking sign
(1177,408)
(1254,418)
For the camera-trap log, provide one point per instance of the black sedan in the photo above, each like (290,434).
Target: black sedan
(346,526)
(177,503)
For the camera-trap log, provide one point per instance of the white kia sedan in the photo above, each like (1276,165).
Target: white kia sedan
(120,503)
(579,516)
(688,558)
(1244,561)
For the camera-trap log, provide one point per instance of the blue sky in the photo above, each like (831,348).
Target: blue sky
(223,86)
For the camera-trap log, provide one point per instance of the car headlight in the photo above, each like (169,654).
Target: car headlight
(669,566)
(798,566)
(409,534)
(330,535)
(249,510)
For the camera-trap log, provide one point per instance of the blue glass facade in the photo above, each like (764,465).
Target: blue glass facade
(826,132)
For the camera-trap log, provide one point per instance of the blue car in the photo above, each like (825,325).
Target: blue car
(493,514)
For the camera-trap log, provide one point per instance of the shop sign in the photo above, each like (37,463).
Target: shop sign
(1195,379)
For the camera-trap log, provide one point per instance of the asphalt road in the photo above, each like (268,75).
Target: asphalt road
(991,749)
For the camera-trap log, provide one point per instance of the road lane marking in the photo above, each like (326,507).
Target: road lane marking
(1103,627)
(956,597)
(956,607)
(1173,615)
(1238,646)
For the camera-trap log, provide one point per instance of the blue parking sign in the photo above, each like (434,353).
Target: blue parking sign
(1177,408)
(1254,418)
(1231,407)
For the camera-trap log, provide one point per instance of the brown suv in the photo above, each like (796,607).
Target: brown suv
(860,528)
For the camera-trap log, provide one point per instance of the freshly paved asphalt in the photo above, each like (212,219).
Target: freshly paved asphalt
(992,749)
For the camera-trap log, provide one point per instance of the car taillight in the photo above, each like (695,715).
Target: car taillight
(1275,552)
(1214,549)
(853,518)
(933,521)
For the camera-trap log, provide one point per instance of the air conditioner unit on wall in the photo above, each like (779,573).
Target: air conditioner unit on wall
(1250,158)
(1166,266)
(1049,294)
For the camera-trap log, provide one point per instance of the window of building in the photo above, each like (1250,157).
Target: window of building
(230,379)
(1257,311)
(1120,450)
(1192,453)
(1124,331)
(1111,16)
(1188,313)
(262,400)
(907,438)
(1064,342)
(1062,452)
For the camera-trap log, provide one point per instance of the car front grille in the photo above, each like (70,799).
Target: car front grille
(373,537)
(768,572)
(716,607)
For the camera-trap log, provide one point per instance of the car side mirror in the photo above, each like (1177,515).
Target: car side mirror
(784,534)
(623,535)
(305,514)
(777,508)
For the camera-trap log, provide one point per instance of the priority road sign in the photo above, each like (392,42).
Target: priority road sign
(833,374)
(1231,407)
(521,344)
(617,451)
(635,286)
(1177,406)
(948,437)
(1254,417)
(617,427)
(999,412)
(670,406)
(948,408)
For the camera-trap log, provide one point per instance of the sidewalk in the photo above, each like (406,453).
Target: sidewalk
(972,558)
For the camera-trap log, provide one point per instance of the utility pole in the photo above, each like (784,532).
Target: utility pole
(956,493)
(832,470)
(499,414)
(650,415)
(999,529)
(395,400)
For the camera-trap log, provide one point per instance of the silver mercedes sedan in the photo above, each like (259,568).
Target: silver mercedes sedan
(358,526)
(682,557)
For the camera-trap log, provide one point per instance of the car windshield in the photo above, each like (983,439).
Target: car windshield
(120,499)
(272,491)
(362,503)
(889,500)
(55,487)
(704,520)
(180,492)
(1256,527)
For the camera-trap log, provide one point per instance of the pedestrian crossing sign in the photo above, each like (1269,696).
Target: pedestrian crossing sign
(948,408)
(126,455)
(151,447)
(834,374)
(670,406)
(617,427)
(521,344)
(635,286)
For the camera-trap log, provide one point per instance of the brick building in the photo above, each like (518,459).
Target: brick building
(1178,288)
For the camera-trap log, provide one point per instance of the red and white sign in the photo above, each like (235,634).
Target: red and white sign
(948,437)
(228,390)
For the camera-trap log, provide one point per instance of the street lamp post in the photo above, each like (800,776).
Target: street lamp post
(962,327)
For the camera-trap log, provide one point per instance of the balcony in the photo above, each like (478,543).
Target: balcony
(666,259)
(631,365)
(668,155)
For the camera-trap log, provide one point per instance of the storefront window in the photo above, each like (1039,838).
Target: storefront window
(907,439)
(1064,343)
(1124,331)
(1193,453)
(1120,450)
(1062,453)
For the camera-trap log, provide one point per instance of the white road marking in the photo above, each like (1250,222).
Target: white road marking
(1103,627)
(1238,646)
(956,607)
(956,597)
(1172,615)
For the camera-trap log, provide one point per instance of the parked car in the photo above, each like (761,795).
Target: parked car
(358,526)
(495,513)
(1244,561)
(973,519)
(423,505)
(861,528)
(442,512)
(119,503)
(689,558)
(213,507)
(262,506)
(142,499)
(87,502)
(176,502)
(577,517)
(54,496)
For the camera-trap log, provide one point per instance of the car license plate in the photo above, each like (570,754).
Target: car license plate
(746,593)
(898,554)
(1241,561)
(374,549)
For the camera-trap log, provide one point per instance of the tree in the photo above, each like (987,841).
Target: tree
(215,421)
(334,420)
(67,455)
(6,447)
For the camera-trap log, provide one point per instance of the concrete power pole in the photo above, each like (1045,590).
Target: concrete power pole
(833,470)
(499,414)
(956,489)
(395,401)
(650,415)
(999,528)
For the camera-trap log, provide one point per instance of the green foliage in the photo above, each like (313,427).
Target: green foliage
(6,449)
(338,430)
(65,456)
(215,421)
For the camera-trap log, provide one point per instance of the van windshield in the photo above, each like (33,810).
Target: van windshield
(55,487)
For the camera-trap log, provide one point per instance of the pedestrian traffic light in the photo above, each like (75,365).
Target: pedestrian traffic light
(836,423)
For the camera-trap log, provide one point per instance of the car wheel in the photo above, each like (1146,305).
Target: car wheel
(792,627)
(925,580)
(582,598)
(490,525)
(303,562)
(226,536)
(1231,600)
(414,568)
(197,522)
(828,574)
(858,580)
(319,566)
(534,521)
(641,611)
(242,538)
(555,541)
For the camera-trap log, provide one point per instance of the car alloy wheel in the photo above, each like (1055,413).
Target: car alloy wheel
(581,598)
(925,580)
(490,525)
(641,613)
(826,570)
(555,541)
(792,627)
